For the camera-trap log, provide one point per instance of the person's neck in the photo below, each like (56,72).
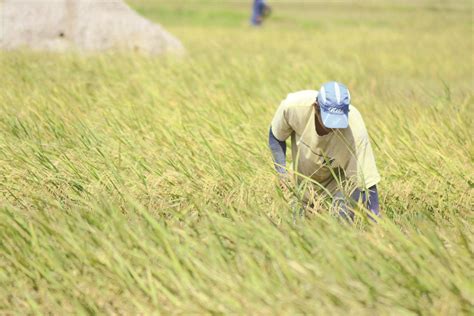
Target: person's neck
(320,129)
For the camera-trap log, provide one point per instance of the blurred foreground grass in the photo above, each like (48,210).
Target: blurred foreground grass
(139,185)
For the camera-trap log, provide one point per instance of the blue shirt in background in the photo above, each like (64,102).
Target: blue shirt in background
(257,12)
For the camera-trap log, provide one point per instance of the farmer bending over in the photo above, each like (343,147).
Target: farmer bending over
(260,10)
(330,147)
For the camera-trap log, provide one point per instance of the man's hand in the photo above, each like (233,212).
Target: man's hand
(285,182)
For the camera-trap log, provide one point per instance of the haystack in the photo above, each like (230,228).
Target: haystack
(84,25)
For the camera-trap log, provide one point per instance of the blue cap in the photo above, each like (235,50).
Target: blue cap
(334,99)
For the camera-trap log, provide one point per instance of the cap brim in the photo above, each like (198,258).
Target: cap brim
(331,120)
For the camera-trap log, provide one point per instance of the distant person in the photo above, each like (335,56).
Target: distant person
(260,11)
(330,146)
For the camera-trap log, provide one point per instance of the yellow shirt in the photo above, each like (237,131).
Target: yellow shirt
(344,154)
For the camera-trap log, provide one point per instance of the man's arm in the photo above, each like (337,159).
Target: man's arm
(279,132)
(371,201)
(278,149)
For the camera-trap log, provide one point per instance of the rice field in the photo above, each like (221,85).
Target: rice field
(143,185)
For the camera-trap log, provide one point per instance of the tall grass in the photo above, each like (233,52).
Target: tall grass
(144,185)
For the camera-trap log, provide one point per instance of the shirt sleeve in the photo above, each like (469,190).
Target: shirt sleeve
(280,127)
(361,168)
(363,164)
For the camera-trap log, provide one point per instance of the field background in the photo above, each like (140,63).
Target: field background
(144,185)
